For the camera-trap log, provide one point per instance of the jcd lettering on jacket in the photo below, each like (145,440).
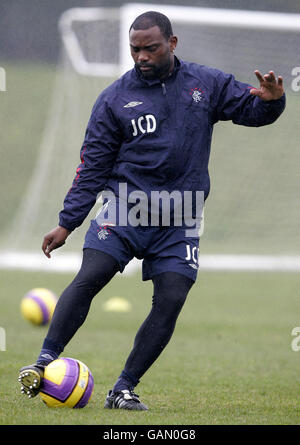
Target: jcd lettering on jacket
(144,124)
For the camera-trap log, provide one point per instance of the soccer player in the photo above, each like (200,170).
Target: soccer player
(150,130)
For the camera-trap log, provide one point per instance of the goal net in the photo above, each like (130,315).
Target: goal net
(253,207)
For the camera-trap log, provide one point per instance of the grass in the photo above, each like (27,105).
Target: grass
(229,362)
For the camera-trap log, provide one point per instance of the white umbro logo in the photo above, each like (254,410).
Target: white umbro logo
(132,104)
(47,356)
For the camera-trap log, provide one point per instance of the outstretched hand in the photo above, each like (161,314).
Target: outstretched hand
(54,239)
(270,88)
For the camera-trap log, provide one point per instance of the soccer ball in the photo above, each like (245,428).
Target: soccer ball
(67,382)
(37,306)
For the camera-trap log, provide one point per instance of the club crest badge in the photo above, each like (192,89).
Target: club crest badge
(103,233)
(196,94)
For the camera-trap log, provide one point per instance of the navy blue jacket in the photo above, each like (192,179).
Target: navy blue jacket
(156,135)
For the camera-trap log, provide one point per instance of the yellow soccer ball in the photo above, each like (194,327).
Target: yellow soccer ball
(67,382)
(37,306)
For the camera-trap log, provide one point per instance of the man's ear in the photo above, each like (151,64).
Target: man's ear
(173,43)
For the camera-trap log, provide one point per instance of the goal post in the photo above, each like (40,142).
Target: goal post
(214,17)
(125,15)
(253,207)
(72,44)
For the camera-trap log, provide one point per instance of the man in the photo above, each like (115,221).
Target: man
(150,130)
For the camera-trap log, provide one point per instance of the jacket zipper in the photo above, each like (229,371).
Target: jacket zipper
(164,88)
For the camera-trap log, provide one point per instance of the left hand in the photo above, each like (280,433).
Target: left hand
(270,87)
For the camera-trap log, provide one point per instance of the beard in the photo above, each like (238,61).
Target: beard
(154,71)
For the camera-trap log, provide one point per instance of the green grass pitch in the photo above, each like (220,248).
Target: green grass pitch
(229,362)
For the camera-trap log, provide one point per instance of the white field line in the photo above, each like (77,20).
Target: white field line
(70,262)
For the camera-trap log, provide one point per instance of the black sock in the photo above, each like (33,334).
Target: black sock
(50,351)
(125,381)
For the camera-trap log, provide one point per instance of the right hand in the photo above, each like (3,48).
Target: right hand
(54,239)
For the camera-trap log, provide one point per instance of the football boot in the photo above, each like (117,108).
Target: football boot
(30,378)
(125,399)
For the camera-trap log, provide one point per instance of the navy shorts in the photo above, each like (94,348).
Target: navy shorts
(163,249)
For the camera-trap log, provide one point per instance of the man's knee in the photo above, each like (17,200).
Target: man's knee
(96,270)
(172,288)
